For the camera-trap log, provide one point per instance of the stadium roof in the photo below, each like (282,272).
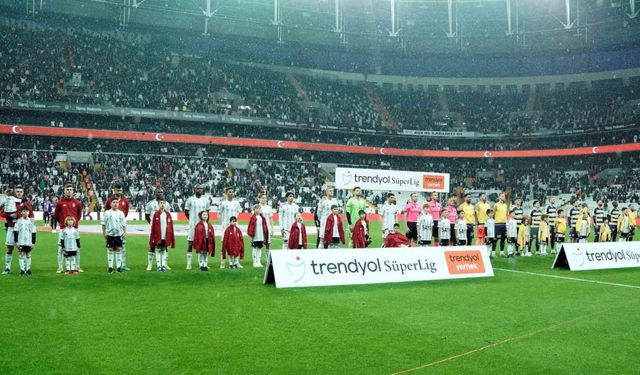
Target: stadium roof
(382,26)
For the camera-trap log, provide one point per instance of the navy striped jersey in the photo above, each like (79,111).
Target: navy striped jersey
(574,213)
(552,213)
(536,218)
(518,214)
(599,215)
(614,214)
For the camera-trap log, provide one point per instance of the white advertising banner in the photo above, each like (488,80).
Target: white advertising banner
(305,268)
(598,256)
(381,179)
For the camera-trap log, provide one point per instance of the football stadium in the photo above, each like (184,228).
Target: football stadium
(320,186)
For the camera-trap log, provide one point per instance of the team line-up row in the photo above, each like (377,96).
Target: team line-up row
(427,224)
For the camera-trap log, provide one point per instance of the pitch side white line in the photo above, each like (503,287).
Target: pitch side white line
(497,343)
(570,278)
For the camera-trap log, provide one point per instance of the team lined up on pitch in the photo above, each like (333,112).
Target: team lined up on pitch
(429,224)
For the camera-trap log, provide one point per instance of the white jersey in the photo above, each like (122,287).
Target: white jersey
(512,228)
(151,207)
(287,216)
(195,205)
(25,229)
(490,227)
(389,214)
(10,204)
(461,230)
(444,229)
(324,210)
(425,227)
(267,212)
(259,232)
(227,210)
(114,223)
(69,236)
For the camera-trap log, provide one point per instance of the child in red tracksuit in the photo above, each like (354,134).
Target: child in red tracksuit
(395,238)
(334,230)
(233,244)
(297,234)
(258,231)
(162,236)
(360,231)
(204,241)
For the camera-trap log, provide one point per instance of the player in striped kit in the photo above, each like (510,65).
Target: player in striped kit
(599,214)
(229,208)
(192,207)
(536,218)
(286,217)
(574,215)
(517,211)
(552,214)
(388,212)
(323,211)
(614,215)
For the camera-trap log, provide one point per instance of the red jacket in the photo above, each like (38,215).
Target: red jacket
(123,205)
(328,230)
(358,236)
(66,207)
(396,240)
(294,237)
(155,238)
(11,221)
(199,238)
(251,229)
(233,242)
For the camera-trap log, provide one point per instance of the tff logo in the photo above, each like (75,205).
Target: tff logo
(347,176)
(296,269)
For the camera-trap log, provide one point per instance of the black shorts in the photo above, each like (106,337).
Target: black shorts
(257,244)
(559,239)
(412,230)
(335,240)
(424,243)
(435,229)
(444,242)
(511,240)
(114,242)
(300,247)
(462,243)
(624,235)
(489,241)
(68,254)
(162,245)
(574,233)
(24,249)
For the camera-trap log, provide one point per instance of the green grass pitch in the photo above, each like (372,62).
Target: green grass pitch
(227,322)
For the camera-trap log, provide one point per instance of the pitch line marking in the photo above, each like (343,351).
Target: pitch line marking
(570,278)
(497,343)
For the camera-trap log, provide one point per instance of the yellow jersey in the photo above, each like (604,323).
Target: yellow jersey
(633,215)
(561,226)
(481,212)
(501,209)
(469,213)
(605,233)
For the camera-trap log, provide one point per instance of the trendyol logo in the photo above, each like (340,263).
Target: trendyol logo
(464,262)
(432,181)
(296,269)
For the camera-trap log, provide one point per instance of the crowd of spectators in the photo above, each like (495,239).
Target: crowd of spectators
(177,168)
(109,68)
